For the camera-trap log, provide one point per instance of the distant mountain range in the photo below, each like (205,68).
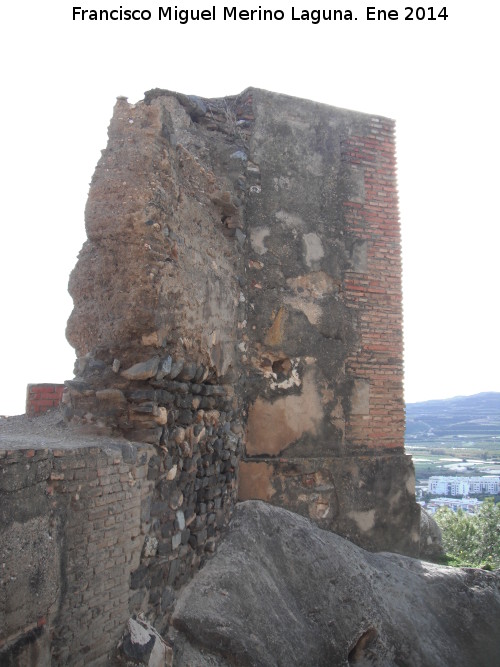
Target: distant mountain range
(474,418)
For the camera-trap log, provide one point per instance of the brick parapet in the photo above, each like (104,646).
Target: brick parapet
(42,397)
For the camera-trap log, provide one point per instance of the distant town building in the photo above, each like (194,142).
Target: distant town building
(469,505)
(462,486)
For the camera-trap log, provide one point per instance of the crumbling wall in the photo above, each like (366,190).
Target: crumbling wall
(156,273)
(241,285)
(158,303)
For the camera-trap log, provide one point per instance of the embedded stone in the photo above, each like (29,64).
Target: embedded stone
(176,499)
(186,449)
(143,370)
(164,396)
(113,396)
(150,546)
(239,155)
(188,372)
(161,416)
(212,417)
(172,472)
(143,408)
(176,541)
(164,368)
(142,395)
(181,521)
(236,428)
(178,435)
(176,368)
(177,387)
(143,645)
(185,417)
(200,371)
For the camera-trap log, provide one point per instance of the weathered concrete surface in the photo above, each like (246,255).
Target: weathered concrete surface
(280,591)
(322,345)
(324,284)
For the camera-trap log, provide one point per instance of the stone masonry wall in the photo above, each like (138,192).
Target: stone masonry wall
(157,292)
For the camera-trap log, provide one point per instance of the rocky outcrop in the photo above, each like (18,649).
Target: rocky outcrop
(431,539)
(142,646)
(280,591)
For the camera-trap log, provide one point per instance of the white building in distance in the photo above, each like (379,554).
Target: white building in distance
(462,486)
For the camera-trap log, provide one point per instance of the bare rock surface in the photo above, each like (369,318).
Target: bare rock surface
(282,592)
(431,541)
(142,646)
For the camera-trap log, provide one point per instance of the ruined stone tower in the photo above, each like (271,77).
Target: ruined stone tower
(237,305)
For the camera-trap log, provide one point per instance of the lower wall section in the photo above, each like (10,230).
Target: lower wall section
(370,500)
(91,534)
(71,539)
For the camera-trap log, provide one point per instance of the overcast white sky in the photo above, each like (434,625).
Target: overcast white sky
(438,79)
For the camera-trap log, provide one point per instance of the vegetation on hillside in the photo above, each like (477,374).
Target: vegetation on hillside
(471,540)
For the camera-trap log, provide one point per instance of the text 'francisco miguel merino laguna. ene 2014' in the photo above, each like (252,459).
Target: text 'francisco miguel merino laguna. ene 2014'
(183,16)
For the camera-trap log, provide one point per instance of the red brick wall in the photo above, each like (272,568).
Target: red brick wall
(376,293)
(42,397)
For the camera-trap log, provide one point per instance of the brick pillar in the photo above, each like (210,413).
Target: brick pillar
(42,397)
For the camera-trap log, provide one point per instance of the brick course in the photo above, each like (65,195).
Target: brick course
(376,293)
